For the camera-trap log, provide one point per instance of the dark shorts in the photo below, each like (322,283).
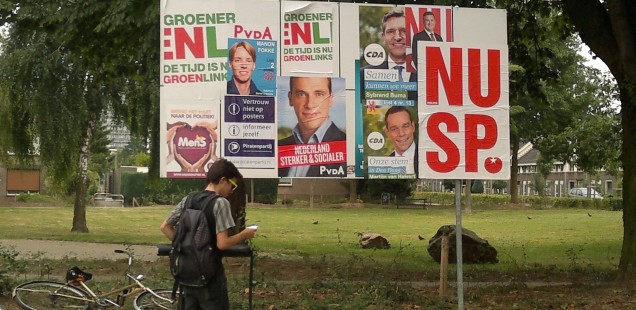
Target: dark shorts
(213,296)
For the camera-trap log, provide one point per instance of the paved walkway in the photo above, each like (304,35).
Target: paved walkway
(84,250)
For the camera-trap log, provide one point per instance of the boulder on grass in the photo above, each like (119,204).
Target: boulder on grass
(475,250)
(374,241)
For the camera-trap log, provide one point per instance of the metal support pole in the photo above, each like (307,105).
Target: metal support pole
(458,245)
(251,276)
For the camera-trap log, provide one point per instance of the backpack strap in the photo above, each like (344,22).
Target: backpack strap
(188,202)
(208,204)
(207,207)
(175,288)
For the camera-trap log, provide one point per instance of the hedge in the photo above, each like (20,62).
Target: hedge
(171,191)
(492,200)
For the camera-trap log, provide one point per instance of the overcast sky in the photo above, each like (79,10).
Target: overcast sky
(596,63)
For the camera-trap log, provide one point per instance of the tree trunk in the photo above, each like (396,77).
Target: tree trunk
(607,27)
(627,266)
(81,182)
(468,196)
(514,193)
(353,191)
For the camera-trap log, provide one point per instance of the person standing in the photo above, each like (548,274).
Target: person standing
(221,180)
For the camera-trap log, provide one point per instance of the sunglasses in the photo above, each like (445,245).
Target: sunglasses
(234,185)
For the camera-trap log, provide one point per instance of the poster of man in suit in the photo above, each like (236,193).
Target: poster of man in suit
(311,139)
(386,85)
(427,23)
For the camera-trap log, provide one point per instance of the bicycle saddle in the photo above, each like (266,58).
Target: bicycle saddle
(76,275)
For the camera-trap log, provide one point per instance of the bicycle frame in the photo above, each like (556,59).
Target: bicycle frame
(105,300)
(122,291)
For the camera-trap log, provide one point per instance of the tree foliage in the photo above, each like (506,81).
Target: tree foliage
(63,65)
(449,185)
(477,187)
(372,189)
(498,186)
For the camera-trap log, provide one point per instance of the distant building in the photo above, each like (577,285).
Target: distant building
(119,135)
(561,179)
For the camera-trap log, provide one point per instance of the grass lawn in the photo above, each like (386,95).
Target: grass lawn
(302,265)
(560,237)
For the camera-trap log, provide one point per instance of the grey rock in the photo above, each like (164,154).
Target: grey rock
(374,241)
(475,250)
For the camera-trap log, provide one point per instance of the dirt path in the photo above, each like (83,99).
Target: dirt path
(85,250)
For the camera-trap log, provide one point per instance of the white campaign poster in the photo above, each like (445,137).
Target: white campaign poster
(194,57)
(463,111)
(192,138)
(250,131)
(308,40)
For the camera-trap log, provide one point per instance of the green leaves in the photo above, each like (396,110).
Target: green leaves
(64,65)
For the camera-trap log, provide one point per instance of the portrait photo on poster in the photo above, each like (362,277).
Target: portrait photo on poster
(390,131)
(311,128)
(429,24)
(251,67)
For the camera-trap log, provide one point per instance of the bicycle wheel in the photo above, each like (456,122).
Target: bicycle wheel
(40,295)
(148,301)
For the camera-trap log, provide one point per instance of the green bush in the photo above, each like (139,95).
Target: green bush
(34,197)
(614,204)
(157,191)
(478,200)
(477,187)
(371,189)
(9,266)
(538,202)
(133,185)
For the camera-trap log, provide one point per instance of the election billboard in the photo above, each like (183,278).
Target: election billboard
(196,74)
(464,111)
(306,89)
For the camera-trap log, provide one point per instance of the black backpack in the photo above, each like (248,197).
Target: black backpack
(194,256)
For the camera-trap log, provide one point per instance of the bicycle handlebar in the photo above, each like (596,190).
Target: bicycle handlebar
(130,256)
(163,249)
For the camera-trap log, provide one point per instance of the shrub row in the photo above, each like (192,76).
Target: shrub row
(171,191)
(490,200)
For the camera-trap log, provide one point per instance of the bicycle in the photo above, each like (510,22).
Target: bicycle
(75,294)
